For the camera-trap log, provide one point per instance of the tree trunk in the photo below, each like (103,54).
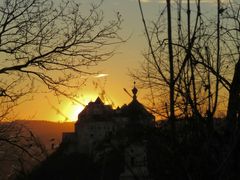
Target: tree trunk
(218,57)
(234,99)
(171,67)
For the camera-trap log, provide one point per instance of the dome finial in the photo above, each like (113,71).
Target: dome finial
(134,91)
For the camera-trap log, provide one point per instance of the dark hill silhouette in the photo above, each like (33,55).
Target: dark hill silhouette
(48,132)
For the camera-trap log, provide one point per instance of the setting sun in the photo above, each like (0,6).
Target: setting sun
(72,109)
(73,112)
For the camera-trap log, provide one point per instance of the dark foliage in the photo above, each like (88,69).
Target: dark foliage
(111,166)
(60,166)
(194,154)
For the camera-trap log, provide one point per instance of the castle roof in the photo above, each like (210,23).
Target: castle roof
(99,101)
(136,108)
(95,111)
(136,111)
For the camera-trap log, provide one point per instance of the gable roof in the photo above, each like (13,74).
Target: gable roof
(136,111)
(95,111)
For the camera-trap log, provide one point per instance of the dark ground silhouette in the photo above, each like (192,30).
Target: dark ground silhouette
(194,154)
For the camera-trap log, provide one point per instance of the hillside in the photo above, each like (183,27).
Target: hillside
(48,132)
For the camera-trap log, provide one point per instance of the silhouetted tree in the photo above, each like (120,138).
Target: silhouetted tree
(232,31)
(46,44)
(42,41)
(205,52)
(20,149)
(177,48)
(171,66)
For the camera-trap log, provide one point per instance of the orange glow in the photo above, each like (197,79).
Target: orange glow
(72,109)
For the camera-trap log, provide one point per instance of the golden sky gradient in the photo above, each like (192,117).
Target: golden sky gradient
(113,74)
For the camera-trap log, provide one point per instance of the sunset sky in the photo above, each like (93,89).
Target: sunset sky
(113,73)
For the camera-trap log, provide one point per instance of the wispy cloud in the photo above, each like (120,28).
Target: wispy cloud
(101,75)
(146,1)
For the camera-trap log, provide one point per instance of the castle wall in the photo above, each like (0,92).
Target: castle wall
(91,133)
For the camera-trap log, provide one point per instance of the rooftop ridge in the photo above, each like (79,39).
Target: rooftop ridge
(98,100)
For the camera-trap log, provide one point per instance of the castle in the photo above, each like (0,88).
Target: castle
(98,122)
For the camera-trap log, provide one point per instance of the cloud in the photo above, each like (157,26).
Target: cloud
(101,75)
(146,1)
